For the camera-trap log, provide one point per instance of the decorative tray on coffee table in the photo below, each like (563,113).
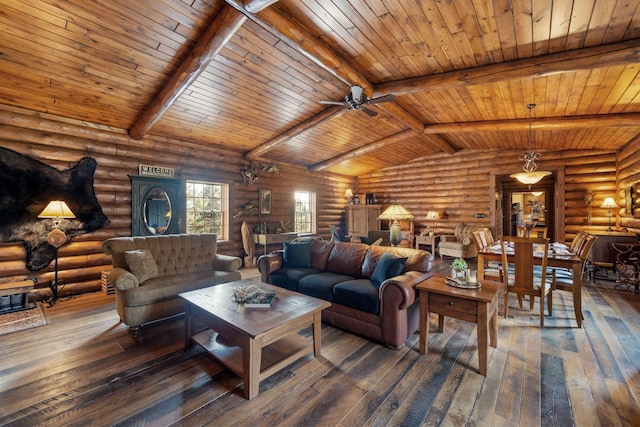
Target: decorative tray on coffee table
(461,283)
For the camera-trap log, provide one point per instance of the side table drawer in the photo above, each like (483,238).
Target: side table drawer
(450,303)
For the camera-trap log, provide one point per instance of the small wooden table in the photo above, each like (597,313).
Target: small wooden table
(253,343)
(428,240)
(479,306)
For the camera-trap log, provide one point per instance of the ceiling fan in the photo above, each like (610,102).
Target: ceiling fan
(357,100)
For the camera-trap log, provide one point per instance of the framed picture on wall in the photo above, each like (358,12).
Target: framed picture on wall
(628,201)
(264,196)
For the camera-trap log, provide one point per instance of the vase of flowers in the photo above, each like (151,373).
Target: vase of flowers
(530,221)
(459,268)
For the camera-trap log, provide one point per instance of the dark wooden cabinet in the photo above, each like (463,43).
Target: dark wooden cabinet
(156,205)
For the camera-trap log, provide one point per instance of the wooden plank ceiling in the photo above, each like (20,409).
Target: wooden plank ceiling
(249,75)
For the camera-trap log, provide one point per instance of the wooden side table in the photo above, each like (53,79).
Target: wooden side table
(479,306)
(428,240)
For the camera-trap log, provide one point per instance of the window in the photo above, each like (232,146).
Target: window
(305,221)
(208,208)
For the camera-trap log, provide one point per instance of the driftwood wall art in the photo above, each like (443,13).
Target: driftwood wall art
(27,185)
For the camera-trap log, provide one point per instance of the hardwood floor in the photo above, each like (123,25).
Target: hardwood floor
(84,369)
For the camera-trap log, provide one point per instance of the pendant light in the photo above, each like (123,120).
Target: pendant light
(530,175)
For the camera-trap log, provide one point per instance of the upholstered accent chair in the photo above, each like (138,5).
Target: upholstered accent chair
(460,244)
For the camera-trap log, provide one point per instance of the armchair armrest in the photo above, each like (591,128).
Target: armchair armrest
(123,279)
(226,263)
(448,238)
(267,264)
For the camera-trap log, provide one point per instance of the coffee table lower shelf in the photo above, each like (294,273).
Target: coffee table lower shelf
(275,356)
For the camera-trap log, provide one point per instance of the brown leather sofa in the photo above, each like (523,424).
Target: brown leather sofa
(341,272)
(149,273)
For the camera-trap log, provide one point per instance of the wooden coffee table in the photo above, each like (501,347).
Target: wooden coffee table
(253,343)
(479,306)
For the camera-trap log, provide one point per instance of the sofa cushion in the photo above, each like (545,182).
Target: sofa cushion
(346,258)
(289,277)
(142,264)
(297,255)
(321,285)
(360,294)
(320,250)
(388,266)
(163,288)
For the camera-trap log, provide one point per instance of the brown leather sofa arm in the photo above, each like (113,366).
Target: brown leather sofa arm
(267,264)
(400,292)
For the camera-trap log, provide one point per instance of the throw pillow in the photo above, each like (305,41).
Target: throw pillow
(141,264)
(297,255)
(388,266)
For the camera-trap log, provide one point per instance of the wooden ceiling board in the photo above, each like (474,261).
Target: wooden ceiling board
(105,61)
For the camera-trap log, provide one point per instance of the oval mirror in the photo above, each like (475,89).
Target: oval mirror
(157,211)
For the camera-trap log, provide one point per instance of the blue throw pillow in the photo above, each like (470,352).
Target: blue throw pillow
(388,266)
(297,255)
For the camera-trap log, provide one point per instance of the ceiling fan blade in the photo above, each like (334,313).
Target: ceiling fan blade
(385,98)
(334,103)
(369,111)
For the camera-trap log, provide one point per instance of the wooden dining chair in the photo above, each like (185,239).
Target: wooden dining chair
(524,280)
(564,277)
(483,238)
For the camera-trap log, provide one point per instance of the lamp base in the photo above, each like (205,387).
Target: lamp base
(395,235)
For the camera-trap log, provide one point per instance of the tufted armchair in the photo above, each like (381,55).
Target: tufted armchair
(149,273)
(459,245)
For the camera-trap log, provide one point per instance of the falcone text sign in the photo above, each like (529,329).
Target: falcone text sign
(149,170)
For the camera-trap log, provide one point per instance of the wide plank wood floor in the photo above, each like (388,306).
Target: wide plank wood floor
(84,370)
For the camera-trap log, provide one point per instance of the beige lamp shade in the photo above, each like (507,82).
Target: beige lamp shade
(348,193)
(433,215)
(396,211)
(56,209)
(609,203)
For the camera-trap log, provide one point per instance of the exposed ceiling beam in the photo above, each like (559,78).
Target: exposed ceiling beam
(306,44)
(439,143)
(222,28)
(550,123)
(391,139)
(623,53)
(324,116)
(255,6)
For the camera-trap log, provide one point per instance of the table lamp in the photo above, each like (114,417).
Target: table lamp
(609,203)
(56,210)
(349,195)
(394,213)
(433,216)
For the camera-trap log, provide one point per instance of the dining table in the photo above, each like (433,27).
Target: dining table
(559,256)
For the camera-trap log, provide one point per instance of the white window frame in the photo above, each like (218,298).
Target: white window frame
(223,212)
(310,200)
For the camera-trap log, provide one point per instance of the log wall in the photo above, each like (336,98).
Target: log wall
(629,175)
(61,143)
(461,185)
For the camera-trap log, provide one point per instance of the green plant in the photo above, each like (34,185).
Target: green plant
(459,264)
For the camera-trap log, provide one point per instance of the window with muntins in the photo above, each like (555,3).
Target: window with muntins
(207,208)
(305,211)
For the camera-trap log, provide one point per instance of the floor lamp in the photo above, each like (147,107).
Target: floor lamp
(609,203)
(394,213)
(57,210)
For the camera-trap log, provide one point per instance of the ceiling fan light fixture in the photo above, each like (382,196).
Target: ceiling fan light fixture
(530,175)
